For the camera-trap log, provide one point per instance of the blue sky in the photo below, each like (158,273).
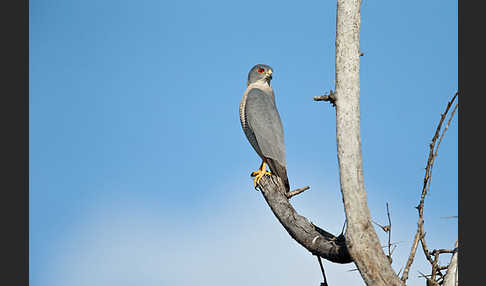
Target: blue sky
(139,169)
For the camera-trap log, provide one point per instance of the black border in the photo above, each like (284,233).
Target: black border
(14,118)
(14,210)
(471,51)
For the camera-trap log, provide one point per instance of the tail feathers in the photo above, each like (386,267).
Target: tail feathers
(281,172)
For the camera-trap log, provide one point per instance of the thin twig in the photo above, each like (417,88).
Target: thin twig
(428,255)
(344,227)
(385,228)
(323,273)
(434,266)
(426,250)
(440,140)
(430,282)
(327,97)
(399,271)
(389,232)
(420,233)
(440,251)
(454,216)
(444,267)
(296,192)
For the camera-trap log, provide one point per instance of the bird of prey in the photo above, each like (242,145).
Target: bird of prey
(262,125)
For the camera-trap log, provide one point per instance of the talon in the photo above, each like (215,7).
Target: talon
(258,174)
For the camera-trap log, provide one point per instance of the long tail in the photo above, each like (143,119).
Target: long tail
(280,171)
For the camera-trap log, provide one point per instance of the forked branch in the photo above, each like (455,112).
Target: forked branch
(420,233)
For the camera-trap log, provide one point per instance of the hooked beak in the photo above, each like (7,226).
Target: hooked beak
(269,74)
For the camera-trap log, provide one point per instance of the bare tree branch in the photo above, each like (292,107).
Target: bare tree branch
(297,191)
(441,251)
(327,97)
(324,283)
(316,240)
(387,229)
(420,233)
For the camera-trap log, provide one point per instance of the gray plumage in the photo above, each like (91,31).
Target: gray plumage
(261,121)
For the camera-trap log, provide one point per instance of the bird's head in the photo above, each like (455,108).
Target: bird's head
(261,73)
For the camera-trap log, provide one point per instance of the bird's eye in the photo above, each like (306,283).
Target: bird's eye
(260,70)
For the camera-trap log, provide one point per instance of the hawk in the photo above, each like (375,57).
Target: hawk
(262,125)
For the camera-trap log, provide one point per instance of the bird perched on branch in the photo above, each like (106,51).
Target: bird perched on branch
(262,125)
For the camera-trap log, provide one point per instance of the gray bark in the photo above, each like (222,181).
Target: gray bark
(451,277)
(314,239)
(361,239)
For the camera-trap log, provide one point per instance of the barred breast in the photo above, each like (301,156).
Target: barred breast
(246,129)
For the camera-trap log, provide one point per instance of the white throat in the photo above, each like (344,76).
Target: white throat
(262,83)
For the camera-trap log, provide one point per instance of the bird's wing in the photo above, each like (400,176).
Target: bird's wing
(264,121)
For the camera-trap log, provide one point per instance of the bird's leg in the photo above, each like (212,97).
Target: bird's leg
(262,167)
(258,174)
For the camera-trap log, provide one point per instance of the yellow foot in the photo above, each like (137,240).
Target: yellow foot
(258,174)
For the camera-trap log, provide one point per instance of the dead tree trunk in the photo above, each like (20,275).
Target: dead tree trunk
(451,277)
(361,239)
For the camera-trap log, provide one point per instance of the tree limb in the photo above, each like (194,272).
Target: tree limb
(361,238)
(297,191)
(316,240)
(327,97)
